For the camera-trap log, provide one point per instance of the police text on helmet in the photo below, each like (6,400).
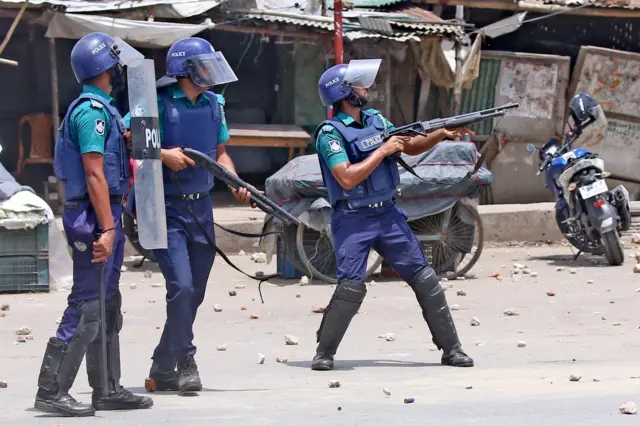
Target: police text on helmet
(178,54)
(332,82)
(99,48)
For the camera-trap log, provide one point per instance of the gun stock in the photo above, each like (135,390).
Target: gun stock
(259,199)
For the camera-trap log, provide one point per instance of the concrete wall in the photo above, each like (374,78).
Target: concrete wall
(539,84)
(612,80)
(611,76)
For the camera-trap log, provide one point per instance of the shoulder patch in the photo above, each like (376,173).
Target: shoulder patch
(220,99)
(327,128)
(100,127)
(335,145)
(96,104)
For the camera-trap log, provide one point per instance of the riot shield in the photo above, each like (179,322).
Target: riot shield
(147,160)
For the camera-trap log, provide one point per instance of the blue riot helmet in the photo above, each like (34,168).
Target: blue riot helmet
(195,57)
(337,82)
(96,53)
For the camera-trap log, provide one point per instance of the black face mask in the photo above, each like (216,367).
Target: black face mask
(118,76)
(356,101)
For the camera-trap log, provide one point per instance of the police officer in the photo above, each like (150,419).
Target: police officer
(91,160)
(361,176)
(190,116)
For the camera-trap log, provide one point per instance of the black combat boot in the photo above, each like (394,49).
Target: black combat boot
(435,311)
(161,380)
(188,376)
(344,304)
(57,374)
(117,397)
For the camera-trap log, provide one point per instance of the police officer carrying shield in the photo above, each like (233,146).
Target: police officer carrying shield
(361,176)
(191,116)
(91,159)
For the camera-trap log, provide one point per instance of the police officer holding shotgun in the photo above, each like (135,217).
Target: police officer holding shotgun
(91,160)
(191,116)
(361,176)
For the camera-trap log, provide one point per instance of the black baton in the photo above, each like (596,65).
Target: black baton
(103,333)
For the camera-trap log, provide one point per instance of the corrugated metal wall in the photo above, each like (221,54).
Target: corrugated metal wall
(480,96)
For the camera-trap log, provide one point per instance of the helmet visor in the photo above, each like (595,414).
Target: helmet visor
(599,116)
(127,55)
(361,73)
(210,70)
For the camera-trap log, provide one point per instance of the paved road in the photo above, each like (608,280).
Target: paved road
(589,329)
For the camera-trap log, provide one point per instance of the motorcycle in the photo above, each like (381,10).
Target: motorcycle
(130,226)
(589,215)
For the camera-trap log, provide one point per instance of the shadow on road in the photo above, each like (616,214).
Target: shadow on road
(143,391)
(584,261)
(352,364)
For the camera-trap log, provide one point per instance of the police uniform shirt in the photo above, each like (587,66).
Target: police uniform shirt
(330,144)
(181,99)
(89,123)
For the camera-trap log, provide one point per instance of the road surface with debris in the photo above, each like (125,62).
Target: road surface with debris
(555,343)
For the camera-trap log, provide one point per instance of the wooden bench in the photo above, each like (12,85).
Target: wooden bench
(269,136)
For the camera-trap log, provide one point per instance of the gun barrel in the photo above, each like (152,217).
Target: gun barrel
(454,121)
(486,112)
(260,200)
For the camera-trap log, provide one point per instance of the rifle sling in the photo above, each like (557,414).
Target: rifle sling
(212,244)
(408,168)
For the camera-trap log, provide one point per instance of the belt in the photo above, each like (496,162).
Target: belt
(196,196)
(369,206)
(113,199)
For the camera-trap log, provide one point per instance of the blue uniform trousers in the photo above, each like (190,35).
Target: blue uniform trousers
(186,265)
(82,229)
(385,229)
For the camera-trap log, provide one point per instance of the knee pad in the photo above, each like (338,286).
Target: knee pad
(118,322)
(113,307)
(350,291)
(426,283)
(89,322)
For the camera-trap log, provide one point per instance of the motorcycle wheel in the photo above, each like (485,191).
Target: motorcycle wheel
(131,231)
(579,242)
(613,250)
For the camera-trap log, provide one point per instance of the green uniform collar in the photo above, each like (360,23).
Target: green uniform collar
(348,120)
(86,88)
(177,93)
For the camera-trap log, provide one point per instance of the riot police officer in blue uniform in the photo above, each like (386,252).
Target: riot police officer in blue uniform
(361,176)
(191,116)
(92,161)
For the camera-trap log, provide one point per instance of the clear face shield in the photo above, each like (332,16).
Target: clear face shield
(361,73)
(210,70)
(127,57)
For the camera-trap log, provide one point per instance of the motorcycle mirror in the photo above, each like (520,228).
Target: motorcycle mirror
(531,148)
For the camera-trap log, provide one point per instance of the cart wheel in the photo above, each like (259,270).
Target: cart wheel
(289,235)
(452,241)
(318,255)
